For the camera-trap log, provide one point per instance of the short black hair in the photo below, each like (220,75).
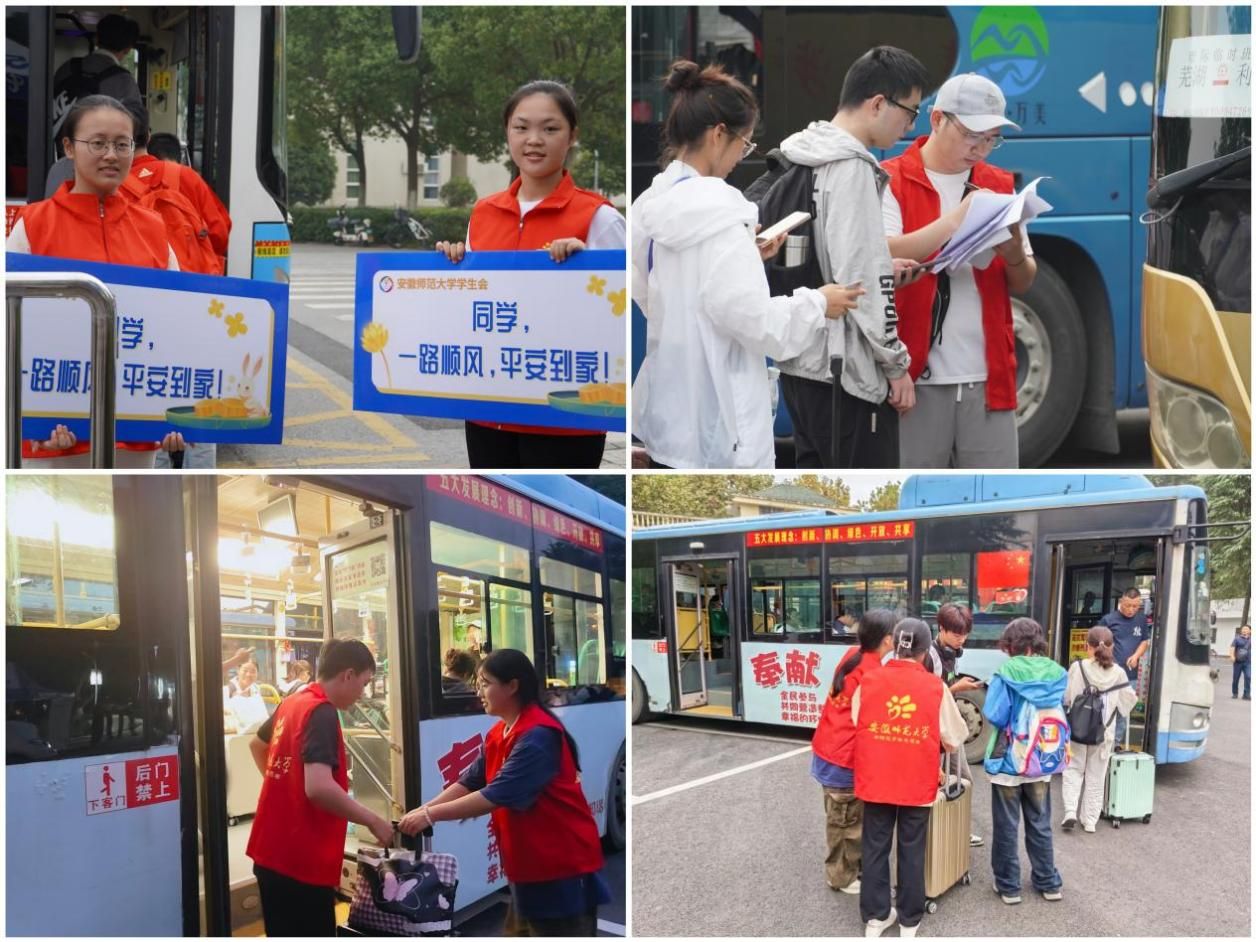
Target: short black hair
(340,655)
(560,93)
(165,146)
(116,33)
(1132,593)
(883,70)
(1023,636)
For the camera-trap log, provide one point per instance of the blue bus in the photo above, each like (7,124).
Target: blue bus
(746,619)
(121,636)
(1078,80)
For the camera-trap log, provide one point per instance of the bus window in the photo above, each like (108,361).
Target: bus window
(74,669)
(574,637)
(1198,626)
(1000,579)
(872,579)
(945,577)
(463,550)
(17,69)
(615,678)
(559,575)
(463,635)
(645,606)
(785,596)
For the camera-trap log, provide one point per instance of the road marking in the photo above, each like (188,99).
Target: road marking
(393,458)
(613,928)
(717,732)
(708,779)
(375,422)
(340,306)
(345,317)
(317,417)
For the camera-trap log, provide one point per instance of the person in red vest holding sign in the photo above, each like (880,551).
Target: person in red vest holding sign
(833,751)
(86,219)
(958,324)
(528,779)
(542,209)
(298,838)
(904,717)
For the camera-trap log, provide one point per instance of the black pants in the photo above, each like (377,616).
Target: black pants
(879,825)
(869,431)
(581,926)
(493,448)
(293,908)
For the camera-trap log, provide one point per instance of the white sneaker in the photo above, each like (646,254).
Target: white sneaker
(1053,896)
(907,932)
(1088,828)
(1010,898)
(975,840)
(852,888)
(875,927)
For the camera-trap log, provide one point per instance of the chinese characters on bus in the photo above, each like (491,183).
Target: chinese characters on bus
(134,783)
(800,700)
(841,533)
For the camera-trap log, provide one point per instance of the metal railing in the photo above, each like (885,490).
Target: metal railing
(103,403)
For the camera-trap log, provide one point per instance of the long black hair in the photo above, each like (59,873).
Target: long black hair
(873,627)
(507,664)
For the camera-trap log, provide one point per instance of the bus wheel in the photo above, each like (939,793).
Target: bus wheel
(640,703)
(970,709)
(1050,365)
(617,803)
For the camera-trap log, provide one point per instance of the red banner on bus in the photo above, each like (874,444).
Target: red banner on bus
(837,533)
(483,494)
(560,525)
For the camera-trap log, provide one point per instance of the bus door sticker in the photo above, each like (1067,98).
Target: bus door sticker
(197,354)
(499,337)
(483,494)
(1208,77)
(1077,650)
(134,783)
(839,533)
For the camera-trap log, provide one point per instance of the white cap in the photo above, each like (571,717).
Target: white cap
(975,100)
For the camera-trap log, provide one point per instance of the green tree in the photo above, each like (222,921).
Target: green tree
(458,192)
(311,166)
(1229,500)
(830,487)
(490,51)
(693,495)
(330,94)
(884,497)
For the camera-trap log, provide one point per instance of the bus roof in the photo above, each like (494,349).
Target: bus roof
(571,497)
(1134,492)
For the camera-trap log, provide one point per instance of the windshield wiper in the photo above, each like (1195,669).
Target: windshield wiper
(1177,184)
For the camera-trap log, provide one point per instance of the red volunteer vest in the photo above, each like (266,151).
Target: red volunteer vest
(834,740)
(555,838)
(921,205)
(495,226)
(78,225)
(291,835)
(897,742)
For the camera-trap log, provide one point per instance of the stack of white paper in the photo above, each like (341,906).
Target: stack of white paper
(987,224)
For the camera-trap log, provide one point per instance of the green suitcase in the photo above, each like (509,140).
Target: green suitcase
(1131,787)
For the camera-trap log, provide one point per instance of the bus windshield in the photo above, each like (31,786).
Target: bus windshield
(1203,112)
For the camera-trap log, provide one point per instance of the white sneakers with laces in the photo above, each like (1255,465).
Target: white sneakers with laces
(875,927)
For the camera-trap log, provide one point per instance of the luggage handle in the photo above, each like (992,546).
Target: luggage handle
(398,841)
(949,792)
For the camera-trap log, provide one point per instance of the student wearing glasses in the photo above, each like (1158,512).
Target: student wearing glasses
(703,398)
(86,219)
(957,325)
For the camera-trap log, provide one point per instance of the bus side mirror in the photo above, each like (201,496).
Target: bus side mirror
(407,30)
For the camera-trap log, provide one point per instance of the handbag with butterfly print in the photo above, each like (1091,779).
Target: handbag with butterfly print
(403,892)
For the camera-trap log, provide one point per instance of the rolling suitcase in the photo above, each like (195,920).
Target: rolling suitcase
(404,892)
(1130,787)
(948,853)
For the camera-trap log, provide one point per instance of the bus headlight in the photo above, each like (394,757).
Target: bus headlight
(1191,428)
(1185,718)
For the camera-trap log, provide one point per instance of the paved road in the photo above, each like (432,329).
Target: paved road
(743,855)
(1133,428)
(611,916)
(320,427)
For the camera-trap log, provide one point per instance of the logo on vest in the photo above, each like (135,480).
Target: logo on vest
(900,707)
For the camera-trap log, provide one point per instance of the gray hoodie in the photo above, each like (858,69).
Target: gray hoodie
(851,246)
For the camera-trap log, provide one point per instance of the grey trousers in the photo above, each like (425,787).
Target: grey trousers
(950,427)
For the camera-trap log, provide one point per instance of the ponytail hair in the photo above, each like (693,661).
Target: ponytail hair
(703,98)
(873,627)
(507,664)
(1100,638)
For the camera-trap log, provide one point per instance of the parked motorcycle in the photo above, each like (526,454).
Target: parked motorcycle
(349,230)
(404,228)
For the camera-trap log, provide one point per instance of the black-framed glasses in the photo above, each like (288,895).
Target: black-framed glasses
(98,147)
(914,112)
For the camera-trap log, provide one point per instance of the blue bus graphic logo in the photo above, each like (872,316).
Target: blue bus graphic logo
(1009,46)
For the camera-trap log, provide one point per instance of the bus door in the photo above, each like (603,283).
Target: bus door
(686,634)
(362,600)
(703,627)
(1089,578)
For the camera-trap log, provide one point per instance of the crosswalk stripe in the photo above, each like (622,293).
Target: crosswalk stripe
(330,307)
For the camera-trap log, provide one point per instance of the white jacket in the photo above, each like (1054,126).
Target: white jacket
(702,398)
(1104,679)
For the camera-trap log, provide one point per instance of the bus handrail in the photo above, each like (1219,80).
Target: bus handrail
(102,411)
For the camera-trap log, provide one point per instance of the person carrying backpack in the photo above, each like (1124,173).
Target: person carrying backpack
(1097,691)
(101,72)
(703,398)
(1029,741)
(833,161)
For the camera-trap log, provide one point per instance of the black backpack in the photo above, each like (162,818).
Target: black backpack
(787,188)
(77,84)
(1085,716)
